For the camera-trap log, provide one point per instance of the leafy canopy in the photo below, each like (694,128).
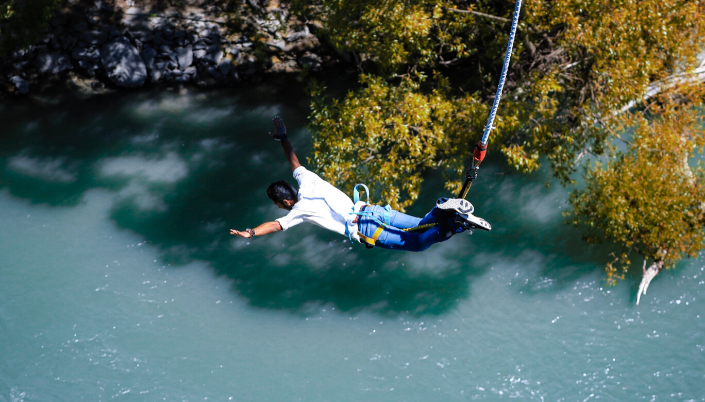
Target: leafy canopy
(22,22)
(581,79)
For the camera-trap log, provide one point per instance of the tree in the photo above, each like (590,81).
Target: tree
(22,22)
(578,83)
(649,198)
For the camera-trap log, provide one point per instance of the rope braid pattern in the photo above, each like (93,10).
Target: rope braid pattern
(495,105)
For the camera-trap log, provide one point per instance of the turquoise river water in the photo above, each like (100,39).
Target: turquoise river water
(119,281)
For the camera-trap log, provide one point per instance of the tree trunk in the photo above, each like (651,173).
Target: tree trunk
(647,276)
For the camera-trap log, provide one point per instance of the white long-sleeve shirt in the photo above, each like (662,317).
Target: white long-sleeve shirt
(319,203)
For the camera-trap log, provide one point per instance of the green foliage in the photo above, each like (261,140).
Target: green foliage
(598,57)
(22,22)
(649,199)
(393,35)
(579,67)
(390,134)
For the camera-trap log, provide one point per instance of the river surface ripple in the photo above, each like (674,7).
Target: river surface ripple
(118,280)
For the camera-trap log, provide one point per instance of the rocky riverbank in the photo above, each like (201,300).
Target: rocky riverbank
(119,45)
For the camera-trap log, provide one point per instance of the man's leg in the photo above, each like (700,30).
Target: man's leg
(395,239)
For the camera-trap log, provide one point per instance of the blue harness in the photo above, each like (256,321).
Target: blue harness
(387,212)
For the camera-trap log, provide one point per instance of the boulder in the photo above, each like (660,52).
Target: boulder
(20,84)
(88,67)
(278,44)
(83,53)
(166,52)
(68,41)
(157,72)
(214,55)
(94,37)
(184,56)
(148,56)
(311,61)
(225,66)
(123,64)
(53,63)
(293,37)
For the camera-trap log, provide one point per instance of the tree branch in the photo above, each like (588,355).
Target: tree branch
(494,17)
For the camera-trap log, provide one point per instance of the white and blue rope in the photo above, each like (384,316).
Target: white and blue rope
(495,105)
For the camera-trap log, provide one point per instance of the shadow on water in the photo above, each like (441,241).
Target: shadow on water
(185,168)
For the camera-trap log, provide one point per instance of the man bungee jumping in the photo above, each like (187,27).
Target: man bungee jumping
(320,203)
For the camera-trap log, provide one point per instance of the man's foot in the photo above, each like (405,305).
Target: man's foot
(471,221)
(458,205)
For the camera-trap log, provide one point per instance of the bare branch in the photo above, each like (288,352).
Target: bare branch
(494,17)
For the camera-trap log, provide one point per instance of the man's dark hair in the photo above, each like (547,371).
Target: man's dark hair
(281,190)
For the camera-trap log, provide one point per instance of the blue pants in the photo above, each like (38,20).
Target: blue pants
(394,239)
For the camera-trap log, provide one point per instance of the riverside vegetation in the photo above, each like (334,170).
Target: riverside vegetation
(586,77)
(610,88)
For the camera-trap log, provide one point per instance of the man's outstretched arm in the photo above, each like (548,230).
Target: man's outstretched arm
(263,229)
(280,135)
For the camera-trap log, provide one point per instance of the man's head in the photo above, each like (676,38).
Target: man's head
(283,194)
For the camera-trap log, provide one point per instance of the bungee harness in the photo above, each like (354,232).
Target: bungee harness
(383,223)
(470,173)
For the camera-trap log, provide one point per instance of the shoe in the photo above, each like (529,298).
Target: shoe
(471,221)
(458,205)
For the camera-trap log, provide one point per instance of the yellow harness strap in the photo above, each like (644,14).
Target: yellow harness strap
(372,240)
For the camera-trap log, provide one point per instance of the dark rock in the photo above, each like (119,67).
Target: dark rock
(58,21)
(234,50)
(53,63)
(68,41)
(148,56)
(83,53)
(190,71)
(225,66)
(20,84)
(97,85)
(213,56)
(248,68)
(197,54)
(184,56)
(166,52)
(157,72)
(182,78)
(287,66)
(113,33)
(123,64)
(88,67)
(199,45)
(311,61)
(94,37)
(80,27)
(298,35)
(20,65)
(277,44)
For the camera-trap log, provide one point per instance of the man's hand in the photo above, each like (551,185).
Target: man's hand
(261,230)
(279,129)
(279,134)
(244,233)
